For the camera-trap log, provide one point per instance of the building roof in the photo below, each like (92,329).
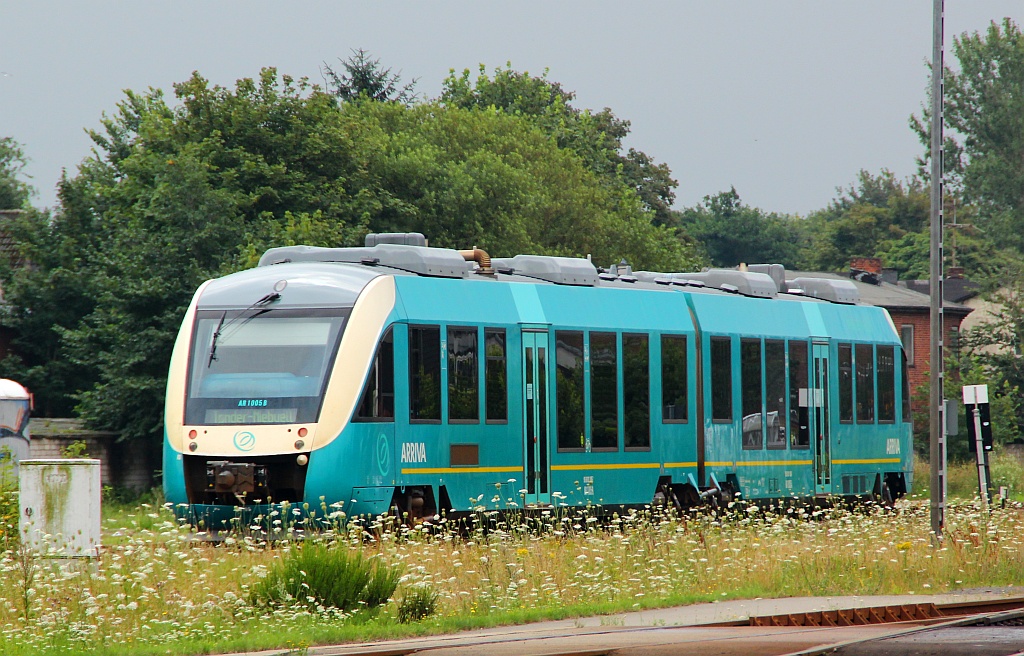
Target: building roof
(954,290)
(885,294)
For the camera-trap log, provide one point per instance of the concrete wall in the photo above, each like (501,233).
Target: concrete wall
(126,464)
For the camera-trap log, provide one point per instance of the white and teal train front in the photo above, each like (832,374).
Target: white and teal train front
(412,379)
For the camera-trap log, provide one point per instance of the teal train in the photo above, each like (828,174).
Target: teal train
(403,378)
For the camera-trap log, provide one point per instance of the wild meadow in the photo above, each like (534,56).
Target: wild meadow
(160,588)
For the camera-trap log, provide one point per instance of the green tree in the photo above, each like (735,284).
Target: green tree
(732,233)
(467,177)
(991,354)
(177,194)
(984,114)
(595,137)
(865,220)
(14,193)
(967,248)
(364,77)
(170,199)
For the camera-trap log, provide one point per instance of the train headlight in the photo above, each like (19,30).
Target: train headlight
(193,446)
(302,460)
(299,444)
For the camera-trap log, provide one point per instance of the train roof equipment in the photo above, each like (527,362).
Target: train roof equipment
(557,270)
(410,254)
(828,289)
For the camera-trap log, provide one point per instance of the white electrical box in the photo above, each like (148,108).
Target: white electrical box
(60,506)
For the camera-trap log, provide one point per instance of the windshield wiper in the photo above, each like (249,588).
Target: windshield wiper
(266,300)
(213,343)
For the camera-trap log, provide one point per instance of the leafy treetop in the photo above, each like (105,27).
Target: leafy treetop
(14,193)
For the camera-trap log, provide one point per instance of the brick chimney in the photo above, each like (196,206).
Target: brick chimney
(868,264)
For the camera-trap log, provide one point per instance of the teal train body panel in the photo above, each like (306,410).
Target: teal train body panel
(792,444)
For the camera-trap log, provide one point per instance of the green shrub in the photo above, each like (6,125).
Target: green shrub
(329,575)
(1006,470)
(8,501)
(417,604)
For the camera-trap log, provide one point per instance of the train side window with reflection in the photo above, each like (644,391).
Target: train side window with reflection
(798,363)
(496,374)
(463,375)
(604,392)
(636,391)
(674,375)
(775,392)
(846,383)
(721,379)
(569,389)
(751,392)
(378,400)
(886,369)
(425,373)
(908,415)
(865,384)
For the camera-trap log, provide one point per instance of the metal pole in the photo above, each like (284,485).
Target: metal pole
(981,459)
(938,501)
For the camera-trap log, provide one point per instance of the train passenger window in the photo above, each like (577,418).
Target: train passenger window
(908,415)
(846,383)
(721,379)
(425,373)
(636,391)
(569,389)
(604,392)
(800,436)
(865,384)
(496,374)
(463,389)
(378,401)
(753,397)
(775,393)
(886,368)
(673,378)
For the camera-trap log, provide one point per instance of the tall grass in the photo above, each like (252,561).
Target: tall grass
(9,508)
(157,589)
(962,477)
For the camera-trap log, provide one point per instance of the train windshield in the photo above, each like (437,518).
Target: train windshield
(261,366)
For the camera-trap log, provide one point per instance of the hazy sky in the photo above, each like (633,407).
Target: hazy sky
(785,100)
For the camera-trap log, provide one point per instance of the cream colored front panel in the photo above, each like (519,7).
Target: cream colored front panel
(177,374)
(359,343)
(239,441)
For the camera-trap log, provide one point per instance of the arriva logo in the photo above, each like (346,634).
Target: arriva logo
(245,441)
(414,452)
(383,455)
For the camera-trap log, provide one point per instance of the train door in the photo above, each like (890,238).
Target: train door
(819,416)
(536,422)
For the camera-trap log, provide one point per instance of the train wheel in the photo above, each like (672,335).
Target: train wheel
(409,509)
(885,496)
(689,498)
(665,499)
(726,496)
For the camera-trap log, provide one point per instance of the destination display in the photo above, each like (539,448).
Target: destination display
(251,415)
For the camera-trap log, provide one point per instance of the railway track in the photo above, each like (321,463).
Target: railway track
(988,628)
